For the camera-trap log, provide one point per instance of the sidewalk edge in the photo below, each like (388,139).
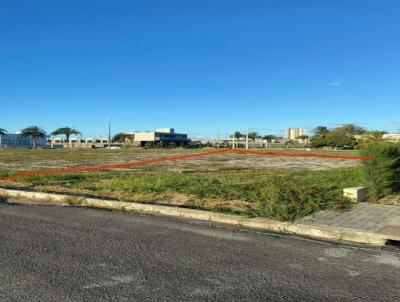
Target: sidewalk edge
(321,232)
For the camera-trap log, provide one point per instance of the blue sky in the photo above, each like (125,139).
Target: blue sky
(194,65)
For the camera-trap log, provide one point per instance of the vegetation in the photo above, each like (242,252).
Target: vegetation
(304,139)
(281,194)
(290,143)
(2,132)
(35,132)
(339,137)
(235,183)
(333,140)
(321,131)
(382,174)
(369,137)
(236,135)
(349,130)
(67,131)
(122,137)
(269,137)
(253,136)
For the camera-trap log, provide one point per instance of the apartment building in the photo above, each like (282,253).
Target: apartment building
(294,133)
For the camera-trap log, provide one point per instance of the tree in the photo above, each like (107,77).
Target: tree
(334,140)
(349,130)
(33,131)
(371,137)
(237,135)
(2,132)
(290,142)
(375,135)
(321,131)
(304,139)
(269,138)
(253,136)
(67,131)
(122,137)
(318,141)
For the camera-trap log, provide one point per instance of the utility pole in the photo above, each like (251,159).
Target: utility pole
(233,140)
(109,134)
(247,138)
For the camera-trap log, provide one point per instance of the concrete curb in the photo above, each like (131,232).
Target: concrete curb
(321,232)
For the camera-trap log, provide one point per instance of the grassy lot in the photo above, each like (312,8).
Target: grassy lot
(278,187)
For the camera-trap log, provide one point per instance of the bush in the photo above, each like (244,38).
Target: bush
(289,199)
(382,173)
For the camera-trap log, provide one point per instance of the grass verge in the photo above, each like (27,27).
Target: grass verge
(284,194)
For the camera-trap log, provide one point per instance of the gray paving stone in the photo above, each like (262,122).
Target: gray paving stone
(362,216)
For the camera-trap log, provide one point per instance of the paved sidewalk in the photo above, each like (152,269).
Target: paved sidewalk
(374,218)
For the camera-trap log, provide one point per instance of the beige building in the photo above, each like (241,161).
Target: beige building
(294,133)
(160,135)
(392,137)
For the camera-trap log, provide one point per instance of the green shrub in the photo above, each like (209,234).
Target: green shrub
(382,173)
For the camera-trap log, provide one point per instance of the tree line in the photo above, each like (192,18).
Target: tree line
(37,132)
(346,136)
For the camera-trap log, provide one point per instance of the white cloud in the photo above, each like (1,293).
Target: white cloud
(335,83)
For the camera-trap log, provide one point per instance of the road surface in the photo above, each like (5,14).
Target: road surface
(50,253)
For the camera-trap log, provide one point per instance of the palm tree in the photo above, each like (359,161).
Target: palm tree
(67,131)
(253,136)
(236,134)
(321,131)
(349,130)
(2,132)
(375,135)
(304,139)
(372,137)
(33,131)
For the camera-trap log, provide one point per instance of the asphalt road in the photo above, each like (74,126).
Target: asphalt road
(50,253)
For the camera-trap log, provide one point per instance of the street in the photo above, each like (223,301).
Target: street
(52,253)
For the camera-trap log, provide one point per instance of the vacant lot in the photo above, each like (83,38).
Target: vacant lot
(280,187)
(17,160)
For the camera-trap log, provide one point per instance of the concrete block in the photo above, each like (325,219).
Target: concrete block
(356,194)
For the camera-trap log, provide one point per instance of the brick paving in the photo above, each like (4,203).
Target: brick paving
(376,218)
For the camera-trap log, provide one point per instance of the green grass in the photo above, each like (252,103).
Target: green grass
(284,194)
(281,194)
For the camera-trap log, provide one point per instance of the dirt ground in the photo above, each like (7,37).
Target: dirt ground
(31,160)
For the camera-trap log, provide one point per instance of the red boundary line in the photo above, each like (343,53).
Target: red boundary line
(178,157)
(111,166)
(304,155)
